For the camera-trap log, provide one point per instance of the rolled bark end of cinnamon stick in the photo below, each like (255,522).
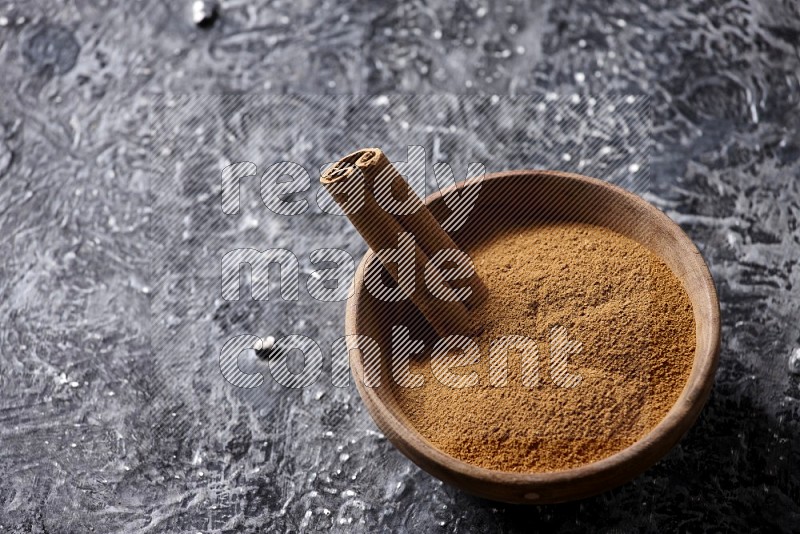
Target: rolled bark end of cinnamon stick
(388,208)
(344,169)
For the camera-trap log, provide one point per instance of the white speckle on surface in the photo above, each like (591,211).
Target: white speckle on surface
(580,77)
(520,50)
(621,23)
(381,101)
(566,156)
(3,21)
(753,108)
(267,343)
(794,361)
(137,283)
(203,12)
(633,167)
(582,43)
(248,223)
(75,384)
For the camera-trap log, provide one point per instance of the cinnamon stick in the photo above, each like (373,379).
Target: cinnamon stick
(362,184)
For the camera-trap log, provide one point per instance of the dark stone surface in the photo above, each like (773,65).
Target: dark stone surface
(93,436)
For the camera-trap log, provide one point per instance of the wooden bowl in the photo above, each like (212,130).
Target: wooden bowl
(528,197)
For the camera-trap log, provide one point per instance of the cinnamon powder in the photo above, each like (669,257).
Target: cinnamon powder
(632,318)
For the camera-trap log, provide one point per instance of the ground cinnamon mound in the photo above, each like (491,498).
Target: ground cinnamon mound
(632,317)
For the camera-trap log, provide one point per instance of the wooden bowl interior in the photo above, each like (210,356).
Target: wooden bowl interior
(525,198)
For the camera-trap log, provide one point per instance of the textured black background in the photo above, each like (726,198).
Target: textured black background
(83,445)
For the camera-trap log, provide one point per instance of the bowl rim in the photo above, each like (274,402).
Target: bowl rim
(646,451)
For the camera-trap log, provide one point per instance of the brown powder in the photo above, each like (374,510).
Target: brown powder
(611,294)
